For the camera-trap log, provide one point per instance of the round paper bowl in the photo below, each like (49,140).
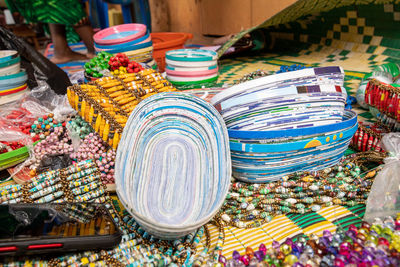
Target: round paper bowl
(12,69)
(146,43)
(173,165)
(13,80)
(7,57)
(120,34)
(123,45)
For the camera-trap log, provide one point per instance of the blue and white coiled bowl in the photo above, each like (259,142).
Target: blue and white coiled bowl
(173,165)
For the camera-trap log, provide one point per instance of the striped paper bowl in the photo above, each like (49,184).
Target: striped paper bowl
(173,165)
(288,122)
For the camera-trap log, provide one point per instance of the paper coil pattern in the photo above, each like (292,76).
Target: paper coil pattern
(289,122)
(173,165)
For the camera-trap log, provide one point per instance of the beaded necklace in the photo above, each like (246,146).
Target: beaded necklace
(368,245)
(81,183)
(251,205)
(343,185)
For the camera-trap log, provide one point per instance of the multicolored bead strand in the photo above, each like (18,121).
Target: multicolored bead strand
(368,245)
(45,125)
(57,142)
(93,147)
(250,205)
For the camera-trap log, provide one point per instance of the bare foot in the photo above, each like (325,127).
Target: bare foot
(90,55)
(67,57)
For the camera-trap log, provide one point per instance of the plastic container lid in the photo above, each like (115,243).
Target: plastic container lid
(120,34)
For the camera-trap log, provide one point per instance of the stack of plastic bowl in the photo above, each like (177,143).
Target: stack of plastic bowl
(132,39)
(12,78)
(173,166)
(288,122)
(191,66)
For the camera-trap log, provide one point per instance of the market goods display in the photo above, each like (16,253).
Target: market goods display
(15,132)
(286,122)
(92,147)
(105,63)
(385,98)
(137,247)
(386,73)
(131,39)
(77,183)
(12,79)
(368,137)
(43,126)
(173,166)
(107,102)
(251,205)
(191,66)
(10,62)
(376,244)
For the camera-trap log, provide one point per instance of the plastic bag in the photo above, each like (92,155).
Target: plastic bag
(57,104)
(7,138)
(384,198)
(54,162)
(37,66)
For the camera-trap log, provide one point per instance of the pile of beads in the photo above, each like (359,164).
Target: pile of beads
(369,245)
(107,103)
(45,125)
(92,147)
(80,127)
(77,183)
(251,205)
(120,64)
(368,137)
(98,64)
(386,98)
(57,142)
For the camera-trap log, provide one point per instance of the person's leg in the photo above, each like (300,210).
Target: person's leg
(62,52)
(86,34)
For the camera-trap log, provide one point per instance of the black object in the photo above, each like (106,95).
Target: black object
(37,66)
(54,162)
(28,229)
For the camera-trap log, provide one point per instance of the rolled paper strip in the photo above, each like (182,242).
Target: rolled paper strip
(195,82)
(190,55)
(13,80)
(123,45)
(289,122)
(12,97)
(172,78)
(146,43)
(190,64)
(173,165)
(120,34)
(11,69)
(13,90)
(133,53)
(7,56)
(191,73)
(191,69)
(300,77)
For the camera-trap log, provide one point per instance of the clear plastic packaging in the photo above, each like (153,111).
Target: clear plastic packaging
(384,198)
(57,104)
